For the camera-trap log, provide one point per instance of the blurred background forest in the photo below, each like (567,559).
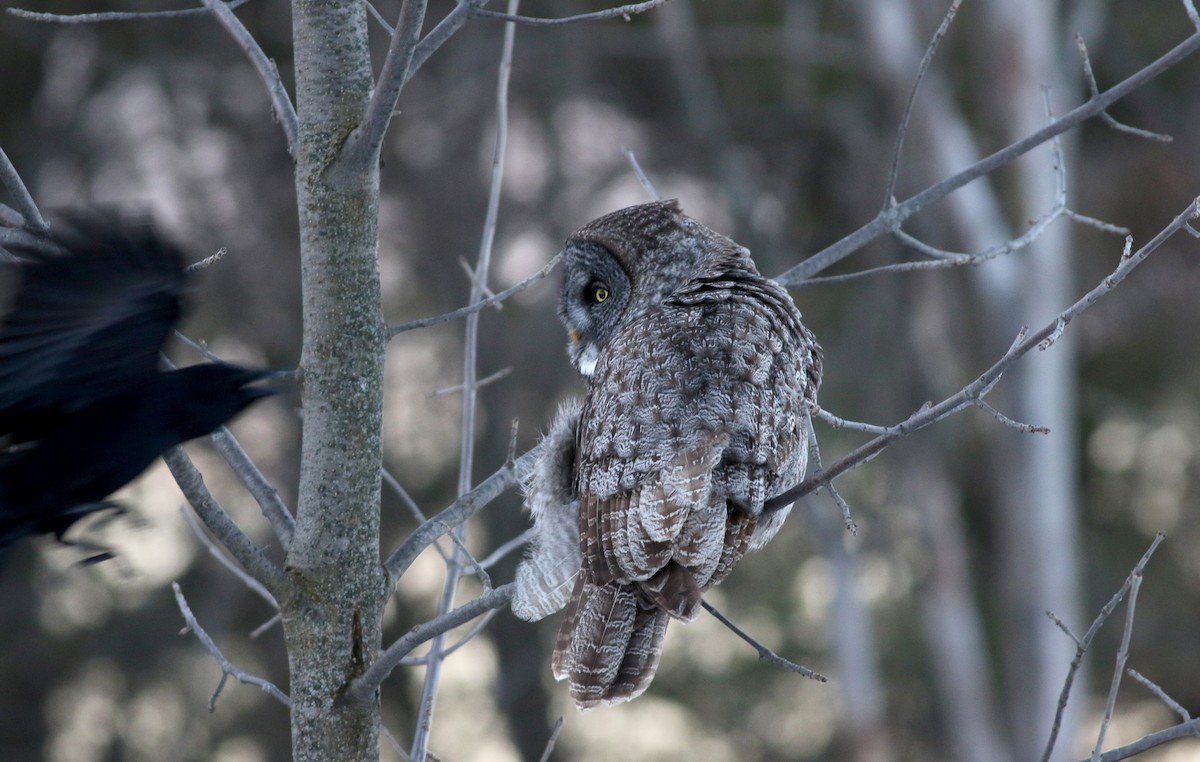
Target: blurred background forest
(772,121)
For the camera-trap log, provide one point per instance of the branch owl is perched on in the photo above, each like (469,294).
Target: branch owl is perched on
(699,373)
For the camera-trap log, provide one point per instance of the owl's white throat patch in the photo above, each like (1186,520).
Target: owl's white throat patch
(588,358)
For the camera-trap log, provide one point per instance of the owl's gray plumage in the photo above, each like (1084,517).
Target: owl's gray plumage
(546,576)
(699,374)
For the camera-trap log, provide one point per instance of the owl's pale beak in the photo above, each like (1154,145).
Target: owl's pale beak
(573,335)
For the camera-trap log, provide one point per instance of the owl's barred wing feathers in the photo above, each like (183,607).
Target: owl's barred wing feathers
(699,374)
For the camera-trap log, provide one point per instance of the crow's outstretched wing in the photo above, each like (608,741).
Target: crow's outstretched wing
(87,321)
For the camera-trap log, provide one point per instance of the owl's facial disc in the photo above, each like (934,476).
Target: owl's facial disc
(595,293)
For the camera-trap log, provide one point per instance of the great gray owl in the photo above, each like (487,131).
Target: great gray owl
(699,377)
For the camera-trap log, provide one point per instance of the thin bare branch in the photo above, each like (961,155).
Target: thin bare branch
(763,652)
(227,668)
(479,305)
(889,193)
(1145,743)
(442,32)
(1024,428)
(478,627)
(624,11)
(96,18)
(231,537)
(25,206)
(501,552)
(478,384)
(283,524)
(1082,644)
(552,740)
(1135,584)
(10,217)
(207,262)
(218,553)
(941,259)
(1190,8)
(843,423)
(364,687)
(363,144)
(641,175)
(1107,118)
(478,292)
(1101,225)
(379,19)
(889,220)
(462,509)
(976,389)
(281,102)
(1162,695)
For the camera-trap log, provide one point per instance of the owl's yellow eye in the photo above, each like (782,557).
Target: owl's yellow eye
(599,294)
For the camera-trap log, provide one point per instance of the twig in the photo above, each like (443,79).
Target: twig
(1162,695)
(885,222)
(1190,8)
(285,112)
(889,194)
(941,259)
(95,18)
(624,11)
(231,537)
(552,740)
(227,668)
(443,31)
(1106,117)
(363,144)
(413,661)
(216,552)
(1024,428)
(499,553)
(33,220)
(476,280)
(641,175)
(283,524)
(842,423)
(459,511)
(207,262)
(1145,743)
(479,305)
(379,19)
(763,652)
(976,389)
(263,492)
(1081,644)
(1135,584)
(478,384)
(364,687)
(10,217)
(470,382)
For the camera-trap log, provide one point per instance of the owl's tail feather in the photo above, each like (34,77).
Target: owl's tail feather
(673,588)
(560,662)
(609,644)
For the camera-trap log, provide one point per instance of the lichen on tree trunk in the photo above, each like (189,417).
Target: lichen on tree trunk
(332,621)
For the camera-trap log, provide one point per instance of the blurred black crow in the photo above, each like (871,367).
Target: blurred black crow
(84,407)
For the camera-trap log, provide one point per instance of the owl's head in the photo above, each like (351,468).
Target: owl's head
(625,263)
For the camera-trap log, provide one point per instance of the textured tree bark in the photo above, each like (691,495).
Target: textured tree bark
(332,622)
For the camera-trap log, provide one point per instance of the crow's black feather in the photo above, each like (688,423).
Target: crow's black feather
(84,407)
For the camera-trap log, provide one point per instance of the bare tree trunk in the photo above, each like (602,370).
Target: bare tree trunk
(332,623)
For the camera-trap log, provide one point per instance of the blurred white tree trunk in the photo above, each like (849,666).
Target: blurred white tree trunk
(1039,494)
(1035,476)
